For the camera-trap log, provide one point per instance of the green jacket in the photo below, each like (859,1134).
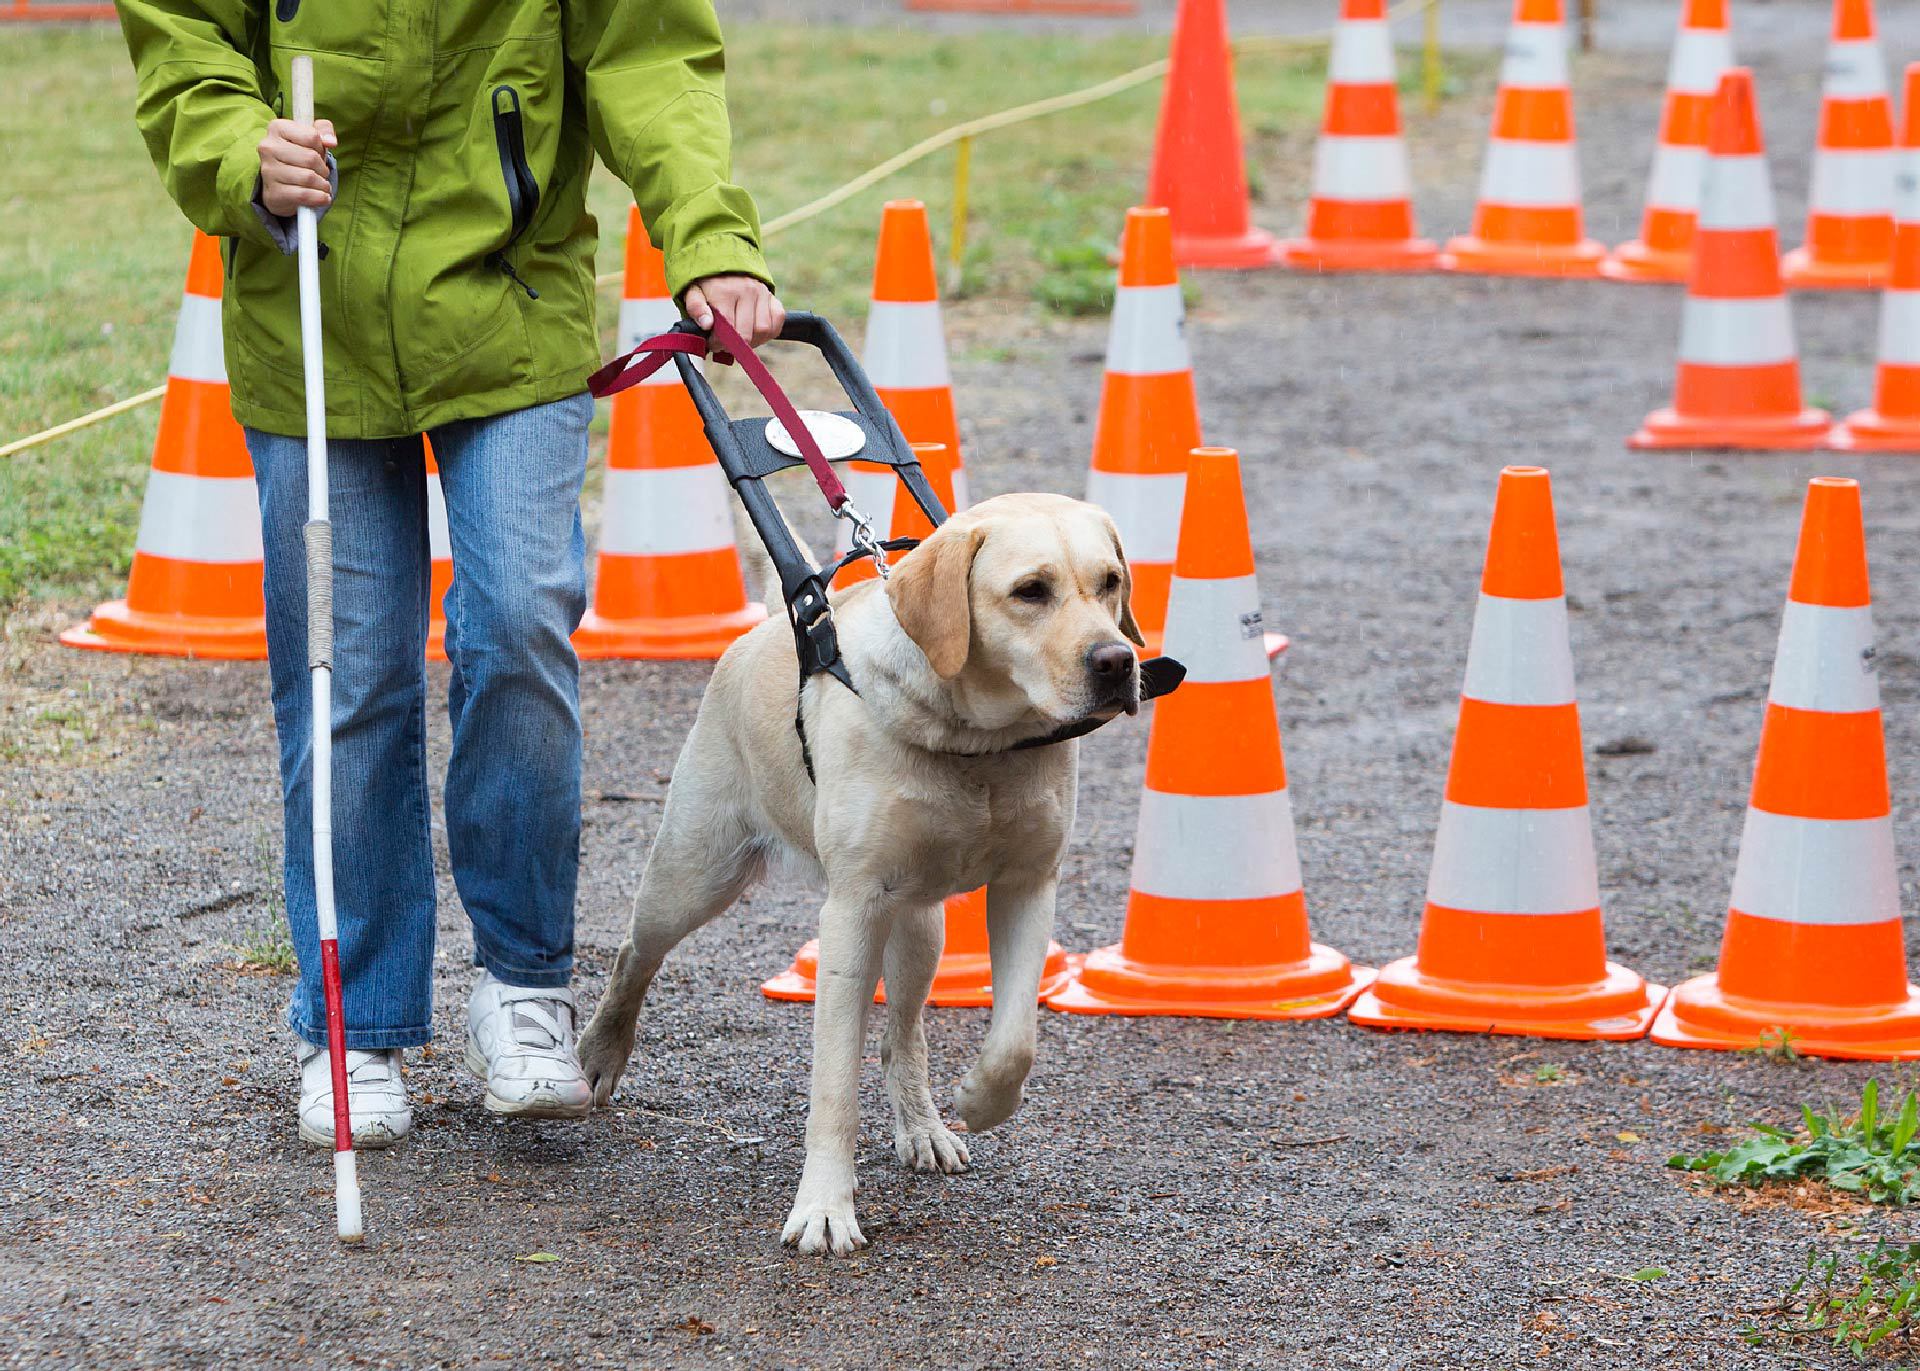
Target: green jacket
(467,129)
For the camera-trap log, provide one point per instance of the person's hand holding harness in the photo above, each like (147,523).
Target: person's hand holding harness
(746,302)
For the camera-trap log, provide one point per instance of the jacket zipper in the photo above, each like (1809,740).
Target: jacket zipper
(523,192)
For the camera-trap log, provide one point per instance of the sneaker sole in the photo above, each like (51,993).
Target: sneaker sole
(524,1109)
(373,1141)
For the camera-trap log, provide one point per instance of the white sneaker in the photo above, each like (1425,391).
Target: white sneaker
(376,1097)
(520,1042)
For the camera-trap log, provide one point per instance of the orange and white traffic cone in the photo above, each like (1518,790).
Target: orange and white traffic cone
(1528,221)
(1812,951)
(1850,205)
(1199,172)
(1149,421)
(196,589)
(1216,918)
(1893,423)
(440,547)
(906,359)
(1702,53)
(1361,214)
(963,980)
(669,583)
(1512,939)
(1738,380)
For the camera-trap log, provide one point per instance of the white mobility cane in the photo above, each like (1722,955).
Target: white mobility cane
(319,534)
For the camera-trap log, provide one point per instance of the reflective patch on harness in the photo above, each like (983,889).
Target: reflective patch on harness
(837,435)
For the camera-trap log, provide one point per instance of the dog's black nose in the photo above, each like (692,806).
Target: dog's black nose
(1111,666)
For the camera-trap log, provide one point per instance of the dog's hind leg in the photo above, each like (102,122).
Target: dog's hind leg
(852,938)
(920,1140)
(1019,923)
(705,854)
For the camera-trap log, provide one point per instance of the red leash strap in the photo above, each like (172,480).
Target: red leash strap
(617,376)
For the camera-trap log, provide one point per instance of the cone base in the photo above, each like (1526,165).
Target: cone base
(437,641)
(1636,262)
(1105,981)
(1311,254)
(1698,1014)
(1617,1009)
(700,637)
(1799,270)
(1226,252)
(1869,431)
(1664,429)
(1479,257)
(964,980)
(113,627)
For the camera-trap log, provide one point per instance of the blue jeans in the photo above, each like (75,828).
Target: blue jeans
(512,485)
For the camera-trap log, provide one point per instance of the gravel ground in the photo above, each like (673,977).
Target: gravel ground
(1174,1193)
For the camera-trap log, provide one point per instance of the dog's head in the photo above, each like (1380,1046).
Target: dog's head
(1022,604)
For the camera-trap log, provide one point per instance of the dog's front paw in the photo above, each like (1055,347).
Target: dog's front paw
(930,1146)
(987,1096)
(822,1219)
(822,1226)
(604,1051)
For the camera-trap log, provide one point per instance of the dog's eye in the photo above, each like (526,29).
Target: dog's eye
(1112,583)
(1033,592)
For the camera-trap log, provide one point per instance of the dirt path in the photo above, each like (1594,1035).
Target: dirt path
(1175,1193)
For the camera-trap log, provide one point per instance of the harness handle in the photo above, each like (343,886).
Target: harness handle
(724,338)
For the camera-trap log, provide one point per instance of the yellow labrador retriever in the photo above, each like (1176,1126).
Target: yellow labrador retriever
(1004,625)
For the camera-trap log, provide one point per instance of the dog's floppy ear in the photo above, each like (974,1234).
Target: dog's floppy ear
(929,595)
(1127,624)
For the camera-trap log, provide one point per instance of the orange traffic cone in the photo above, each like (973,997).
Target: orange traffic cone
(1850,206)
(1149,420)
(1512,939)
(440,545)
(1738,381)
(669,581)
(1199,173)
(963,980)
(906,358)
(196,585)
(1702,53)
(1528,221)
(1812,950)
(1361,215)
(1216,919)
(1893,424)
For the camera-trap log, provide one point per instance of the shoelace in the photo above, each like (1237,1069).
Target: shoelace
(532,1018)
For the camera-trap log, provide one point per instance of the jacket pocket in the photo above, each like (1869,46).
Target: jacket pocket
(523,191)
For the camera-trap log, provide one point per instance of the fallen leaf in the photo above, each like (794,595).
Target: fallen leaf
(695,1325)
(538,1257)
(1648,1273)
(1628,1137)
(1039,1262)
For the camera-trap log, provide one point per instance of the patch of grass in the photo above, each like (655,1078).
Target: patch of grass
(1777,1044)
(1550,1073)
(1864,1304)
(1079,280)
(1868,1154)
(267,951)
